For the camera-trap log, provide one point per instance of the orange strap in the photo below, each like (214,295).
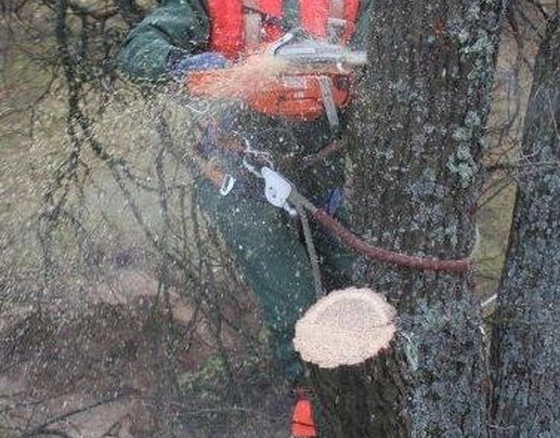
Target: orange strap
(313,16)
(271,7)
(302,420)
(273,11)
(226,21)
(351,16)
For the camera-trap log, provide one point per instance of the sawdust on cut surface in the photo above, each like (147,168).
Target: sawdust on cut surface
(345,328)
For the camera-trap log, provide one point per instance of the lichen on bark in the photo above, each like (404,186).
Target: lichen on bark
(413,183)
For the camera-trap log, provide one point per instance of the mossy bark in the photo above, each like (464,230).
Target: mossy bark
(525,350)
(418,127)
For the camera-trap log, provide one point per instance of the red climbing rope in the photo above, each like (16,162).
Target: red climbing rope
(458,266)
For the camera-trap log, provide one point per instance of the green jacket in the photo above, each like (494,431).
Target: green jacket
(183,25)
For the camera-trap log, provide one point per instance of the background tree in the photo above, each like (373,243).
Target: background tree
(525,351)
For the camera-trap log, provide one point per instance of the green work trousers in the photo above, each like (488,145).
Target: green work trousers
(267,245)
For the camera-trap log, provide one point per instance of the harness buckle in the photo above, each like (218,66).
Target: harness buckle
(277,190)
(251,167)
(227,184)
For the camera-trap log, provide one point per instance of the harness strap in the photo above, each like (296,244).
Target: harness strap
(351,8)
(328,102)
(252,25)
(313,16)
(219,179)
(311,251)
(334,147)
(226,33)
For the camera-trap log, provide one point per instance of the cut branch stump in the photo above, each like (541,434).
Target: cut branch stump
(347,343)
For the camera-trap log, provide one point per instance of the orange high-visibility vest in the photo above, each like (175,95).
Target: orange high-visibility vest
(227,24)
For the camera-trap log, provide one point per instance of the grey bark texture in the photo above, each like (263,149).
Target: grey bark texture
(414,162)
(526,341)
(358,400)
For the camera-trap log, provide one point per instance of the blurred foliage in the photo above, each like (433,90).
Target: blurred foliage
(110,280)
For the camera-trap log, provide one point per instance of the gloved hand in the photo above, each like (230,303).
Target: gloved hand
(184,63)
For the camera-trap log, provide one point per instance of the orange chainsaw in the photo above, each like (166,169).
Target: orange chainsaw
(290,78)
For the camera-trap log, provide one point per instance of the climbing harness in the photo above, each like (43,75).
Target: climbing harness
(281,193)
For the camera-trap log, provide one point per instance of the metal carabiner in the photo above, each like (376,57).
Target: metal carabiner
(249,150)
(264,156)
(251,167)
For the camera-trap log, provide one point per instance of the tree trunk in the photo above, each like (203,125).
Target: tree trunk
(418,127)
(526,348)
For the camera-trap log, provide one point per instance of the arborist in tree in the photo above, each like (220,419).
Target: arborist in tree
(291,118)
